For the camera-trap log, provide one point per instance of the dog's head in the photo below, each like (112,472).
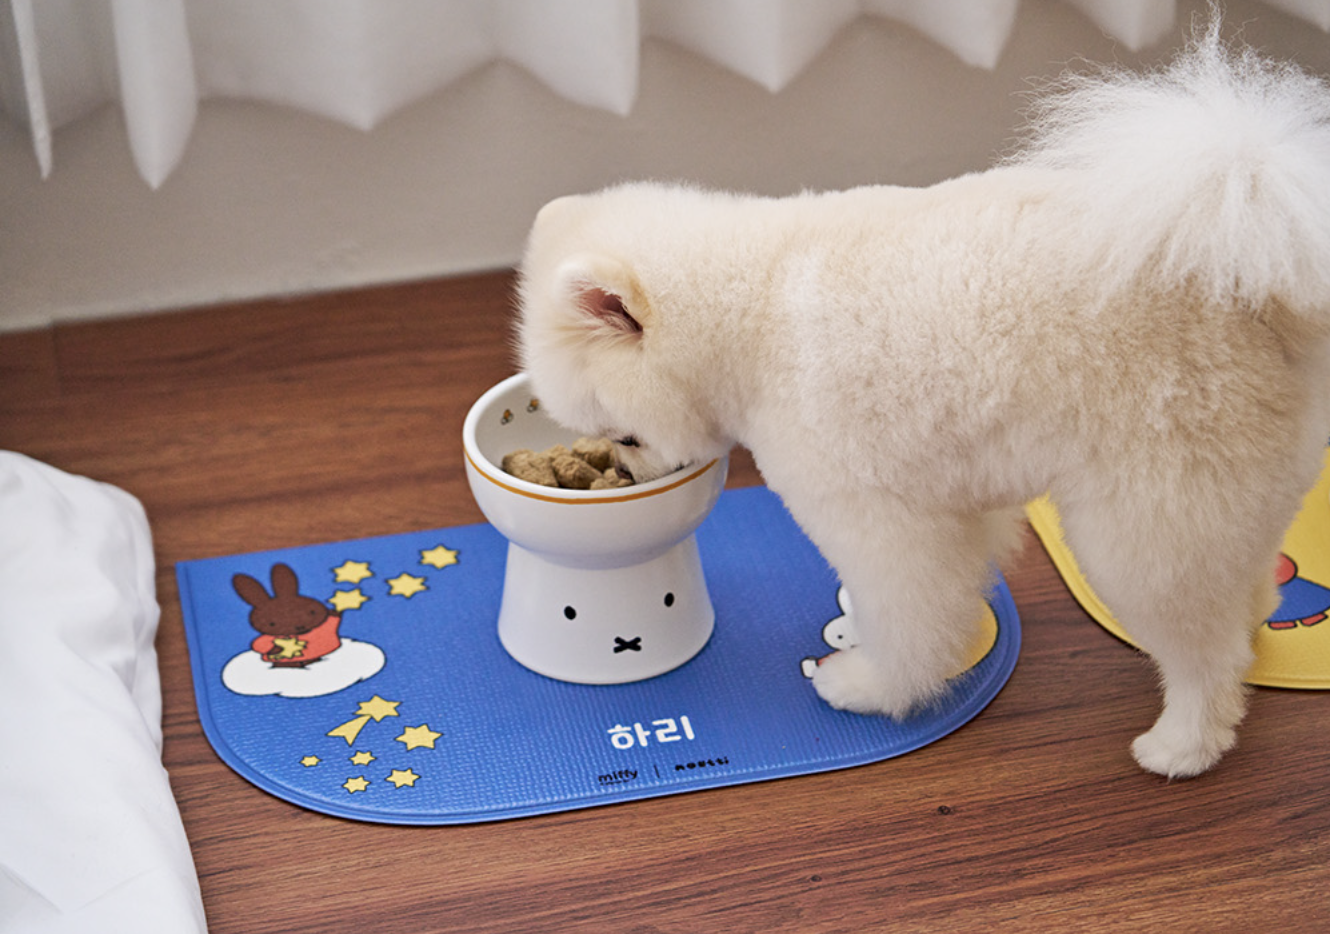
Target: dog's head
(608,329)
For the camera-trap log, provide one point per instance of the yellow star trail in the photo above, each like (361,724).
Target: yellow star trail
(376,708)
(350,729)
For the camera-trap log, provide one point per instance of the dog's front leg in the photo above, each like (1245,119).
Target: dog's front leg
(917,582)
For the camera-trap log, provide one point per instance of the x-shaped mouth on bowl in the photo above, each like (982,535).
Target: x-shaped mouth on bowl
(627,645)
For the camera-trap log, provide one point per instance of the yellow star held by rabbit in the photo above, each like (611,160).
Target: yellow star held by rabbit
(290,646)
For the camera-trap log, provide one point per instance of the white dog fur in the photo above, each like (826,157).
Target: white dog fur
(1132,314)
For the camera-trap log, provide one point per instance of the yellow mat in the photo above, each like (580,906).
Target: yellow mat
(1293,646)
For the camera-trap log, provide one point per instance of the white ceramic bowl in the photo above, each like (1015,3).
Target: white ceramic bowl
(601,586)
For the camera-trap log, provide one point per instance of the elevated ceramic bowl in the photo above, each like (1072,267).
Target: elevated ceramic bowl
(601,586)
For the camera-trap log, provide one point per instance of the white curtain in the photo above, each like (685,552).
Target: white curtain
(357,61)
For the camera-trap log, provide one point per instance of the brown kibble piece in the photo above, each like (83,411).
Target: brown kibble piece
(611,480)
(573,473)
(598,452)
(527,465)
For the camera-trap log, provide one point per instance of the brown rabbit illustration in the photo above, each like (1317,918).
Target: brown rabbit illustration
(294,630)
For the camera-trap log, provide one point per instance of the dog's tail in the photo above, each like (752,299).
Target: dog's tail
(1213,172)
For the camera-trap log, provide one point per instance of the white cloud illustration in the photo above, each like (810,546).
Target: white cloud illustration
(351,663)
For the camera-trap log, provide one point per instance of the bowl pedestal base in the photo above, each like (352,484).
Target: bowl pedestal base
(605,625)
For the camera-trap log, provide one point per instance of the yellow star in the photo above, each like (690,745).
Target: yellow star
(362,758)
(352,785)
(439,557)
(404,585)
(422,735)
(343,600)
(309,761)
(378,708)
(290,646)
(400,777)
(352,572)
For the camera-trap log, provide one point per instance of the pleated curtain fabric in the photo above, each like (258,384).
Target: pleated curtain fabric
(358,61)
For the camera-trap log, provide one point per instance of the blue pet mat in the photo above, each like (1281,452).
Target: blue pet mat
(418,716)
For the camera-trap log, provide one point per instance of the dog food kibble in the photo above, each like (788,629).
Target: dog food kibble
(531,467)
(588,465)
(573,473)
(598,452)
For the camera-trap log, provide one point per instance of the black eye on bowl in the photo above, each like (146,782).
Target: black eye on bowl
(669,599)
(569,612)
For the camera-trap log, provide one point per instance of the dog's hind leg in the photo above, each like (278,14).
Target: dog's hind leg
(1204,694)
(1190,588)
(917,583)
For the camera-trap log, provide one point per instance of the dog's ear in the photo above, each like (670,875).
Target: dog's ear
(604,295)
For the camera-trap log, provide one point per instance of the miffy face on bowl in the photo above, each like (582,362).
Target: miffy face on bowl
(286,612)
(624,635)
(606,627)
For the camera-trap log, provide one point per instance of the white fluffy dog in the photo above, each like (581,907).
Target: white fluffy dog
(1132,314)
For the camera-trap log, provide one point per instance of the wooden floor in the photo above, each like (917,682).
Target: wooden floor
(287,423)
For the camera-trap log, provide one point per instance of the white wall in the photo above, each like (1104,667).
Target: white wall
(271,201)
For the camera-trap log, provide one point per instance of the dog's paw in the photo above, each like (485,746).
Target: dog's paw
(848,680)
(1165,752)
